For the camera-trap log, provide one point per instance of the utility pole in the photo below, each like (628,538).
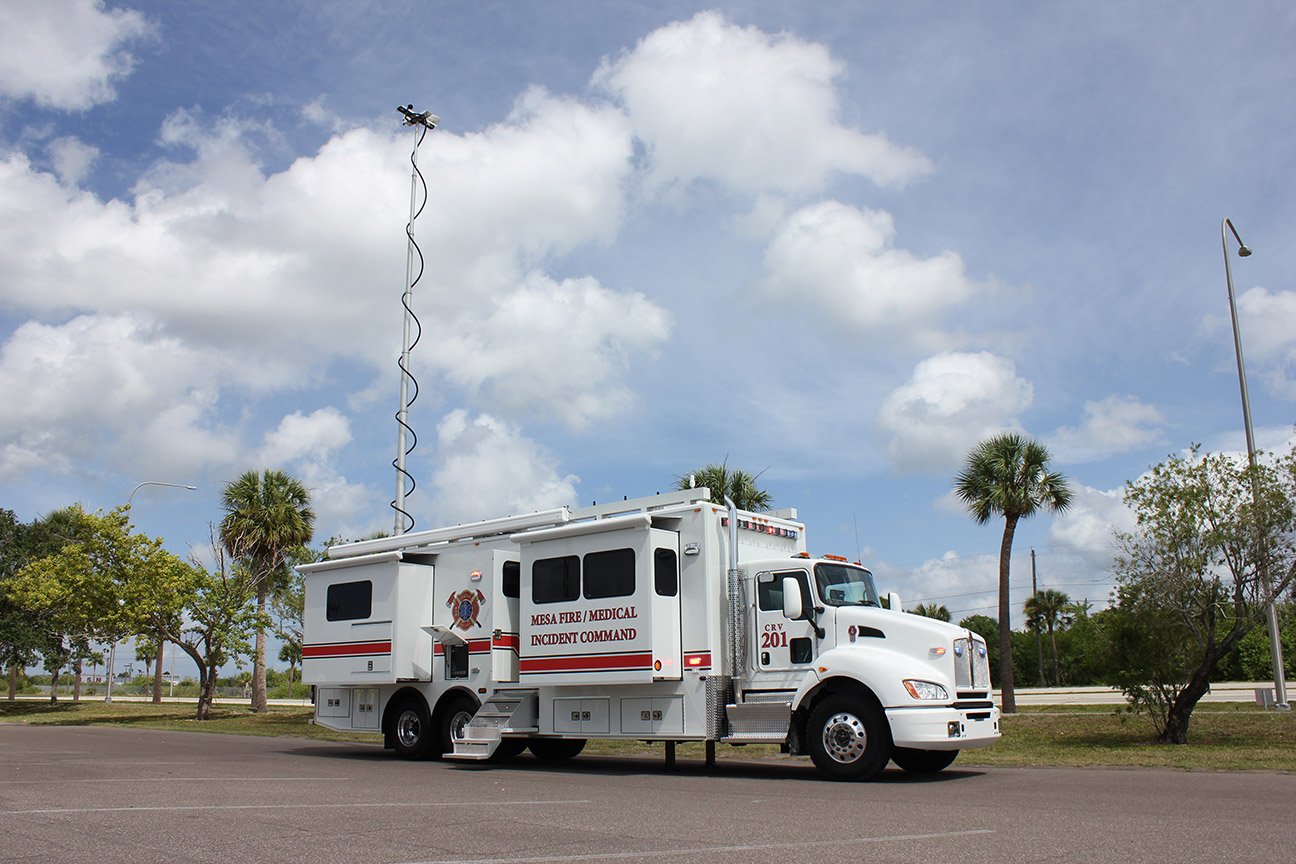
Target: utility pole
(1039,637)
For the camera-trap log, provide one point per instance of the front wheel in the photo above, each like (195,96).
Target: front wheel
(848,737)
(556,749)
(923,761)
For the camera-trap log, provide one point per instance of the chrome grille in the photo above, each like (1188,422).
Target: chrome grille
(962,663)
(980,665)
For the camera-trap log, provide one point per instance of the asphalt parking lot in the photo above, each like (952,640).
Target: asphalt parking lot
(84,794)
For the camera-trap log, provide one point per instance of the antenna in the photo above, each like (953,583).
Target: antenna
(426,121)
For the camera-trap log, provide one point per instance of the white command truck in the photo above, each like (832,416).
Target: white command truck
(667,618)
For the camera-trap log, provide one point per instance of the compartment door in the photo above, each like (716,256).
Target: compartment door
(663,565)
(504,617)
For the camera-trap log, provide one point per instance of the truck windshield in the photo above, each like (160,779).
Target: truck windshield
(842,585)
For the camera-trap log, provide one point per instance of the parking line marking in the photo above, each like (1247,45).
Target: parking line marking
(161,780)
(349,805)
(710,850)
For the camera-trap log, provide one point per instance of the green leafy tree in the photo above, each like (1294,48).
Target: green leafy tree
(1255,660)
(1215,542)
(75,592)
(267,518)
(21,637)
(1007,475)
(722,480)
(289,610)
(220,619)
(1049,610)
(931,610)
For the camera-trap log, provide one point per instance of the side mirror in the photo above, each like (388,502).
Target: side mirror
(893,602)
(792,598)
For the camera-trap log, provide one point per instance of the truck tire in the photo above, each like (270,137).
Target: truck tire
(848,737)
(556,749)
(455,715)
(509,748)
(923,761)
(412,729)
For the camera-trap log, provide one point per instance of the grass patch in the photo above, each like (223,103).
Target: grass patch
(1222,736)
(225,719)
(1230,737)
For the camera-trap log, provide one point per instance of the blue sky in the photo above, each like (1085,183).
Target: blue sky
(836,243)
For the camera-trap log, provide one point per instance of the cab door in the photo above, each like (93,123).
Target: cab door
(781,647)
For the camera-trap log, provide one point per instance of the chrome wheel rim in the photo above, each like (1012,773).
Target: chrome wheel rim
(457,724)
(844,738)
(409,728)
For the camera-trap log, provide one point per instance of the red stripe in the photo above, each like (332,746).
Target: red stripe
(698,660)
(507,640)
(586,663)
(347,649)
(475,646)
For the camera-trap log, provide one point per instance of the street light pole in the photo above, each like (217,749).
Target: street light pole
(131,496)
(1275,640)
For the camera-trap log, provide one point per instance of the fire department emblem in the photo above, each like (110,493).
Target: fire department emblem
(466,606)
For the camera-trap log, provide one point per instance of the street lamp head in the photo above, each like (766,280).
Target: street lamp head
(1244,251)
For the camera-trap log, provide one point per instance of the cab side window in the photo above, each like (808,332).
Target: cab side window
(769,595)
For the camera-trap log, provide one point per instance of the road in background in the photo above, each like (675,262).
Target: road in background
(1228,691)
(78,795)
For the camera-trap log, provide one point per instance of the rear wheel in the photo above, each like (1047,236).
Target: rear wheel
(848,737)
(556,749)
(455,715)
(412,729)
(923,761)
(508,748)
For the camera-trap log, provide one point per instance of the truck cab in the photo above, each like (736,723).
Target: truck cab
(866,683)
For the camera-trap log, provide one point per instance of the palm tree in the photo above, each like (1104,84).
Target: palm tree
(931,610)
(1007,475)
(721,480)
(267,516)
(1050,610)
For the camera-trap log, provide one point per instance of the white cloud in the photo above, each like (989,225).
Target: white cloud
(113,382)
(840,259)
(1087,528)
(487,468)
(243,283)
(342,509)
(560,347)
(952,401)
(1268,323)
(755,112)
(65,54)
(1117,424)
(300,435)
(72,159)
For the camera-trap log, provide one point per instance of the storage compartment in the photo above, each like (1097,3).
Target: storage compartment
(580,716)
(333,702)
(660,716)
(364,708)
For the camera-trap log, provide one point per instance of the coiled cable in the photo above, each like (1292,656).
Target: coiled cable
(416,256)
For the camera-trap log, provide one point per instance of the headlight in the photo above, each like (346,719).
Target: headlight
(926,690)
